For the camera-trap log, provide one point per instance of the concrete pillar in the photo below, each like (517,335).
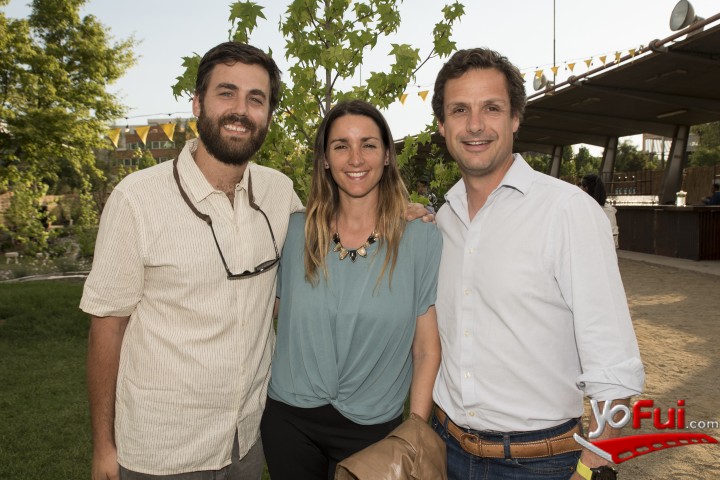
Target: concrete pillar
(607,165)
(672,178)
(556,161)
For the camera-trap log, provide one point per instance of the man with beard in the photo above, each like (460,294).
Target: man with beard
(182,288)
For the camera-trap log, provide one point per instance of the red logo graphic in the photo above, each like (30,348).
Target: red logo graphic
(618,450)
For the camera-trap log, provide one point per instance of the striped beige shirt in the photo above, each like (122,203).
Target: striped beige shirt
(195,358)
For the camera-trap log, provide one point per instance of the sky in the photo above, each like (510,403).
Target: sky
(529,32)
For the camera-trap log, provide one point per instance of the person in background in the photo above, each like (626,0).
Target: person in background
(713,199)
(356,326)
(531,309)
(423,189)
(594,186)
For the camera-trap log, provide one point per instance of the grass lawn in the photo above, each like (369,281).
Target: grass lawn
(45,425)
(44,419)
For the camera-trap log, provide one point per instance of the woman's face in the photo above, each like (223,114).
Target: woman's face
(356,156)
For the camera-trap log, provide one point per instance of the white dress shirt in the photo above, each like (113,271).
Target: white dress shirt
(531,307)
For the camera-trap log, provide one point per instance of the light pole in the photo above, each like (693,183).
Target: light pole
(554,66)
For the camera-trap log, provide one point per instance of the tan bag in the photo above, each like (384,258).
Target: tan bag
(412,451)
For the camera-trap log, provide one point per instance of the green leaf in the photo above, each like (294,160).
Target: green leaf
(185,84)
(243,20)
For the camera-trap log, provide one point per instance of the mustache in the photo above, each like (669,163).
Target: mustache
(243,120)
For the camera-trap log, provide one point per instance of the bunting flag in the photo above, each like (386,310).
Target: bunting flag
(403,97)
(114,135)
(605,59)
(142,132)
(423,94)
(169,129)
(192,125)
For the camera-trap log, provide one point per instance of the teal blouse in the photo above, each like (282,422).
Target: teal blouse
(347,341)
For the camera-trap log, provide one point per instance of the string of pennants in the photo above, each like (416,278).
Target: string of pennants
(530,74)
(169,128)
(588,63)
(142,131)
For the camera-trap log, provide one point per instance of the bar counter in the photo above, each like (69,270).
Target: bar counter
(691,232)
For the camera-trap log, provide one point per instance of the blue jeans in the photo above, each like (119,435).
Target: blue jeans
(466,466)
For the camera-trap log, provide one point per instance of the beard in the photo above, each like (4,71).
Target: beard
(232,151)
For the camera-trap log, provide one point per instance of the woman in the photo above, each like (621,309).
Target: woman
(356,325)
(594,186)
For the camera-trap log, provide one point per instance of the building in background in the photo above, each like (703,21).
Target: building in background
(164,138)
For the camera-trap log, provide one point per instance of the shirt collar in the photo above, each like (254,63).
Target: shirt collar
(518,177)
(192,177)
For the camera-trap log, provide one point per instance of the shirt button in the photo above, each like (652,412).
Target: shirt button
(471,251)
(467,292)
(467,334)
(468,374)
(472,414)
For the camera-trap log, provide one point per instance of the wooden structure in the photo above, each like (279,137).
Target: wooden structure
(691,232)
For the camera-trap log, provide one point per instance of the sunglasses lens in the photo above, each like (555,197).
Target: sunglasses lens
(265,265)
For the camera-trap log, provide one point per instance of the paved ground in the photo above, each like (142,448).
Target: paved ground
(711,267)
(675,306)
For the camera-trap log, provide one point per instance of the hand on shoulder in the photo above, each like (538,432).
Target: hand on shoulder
(417,210)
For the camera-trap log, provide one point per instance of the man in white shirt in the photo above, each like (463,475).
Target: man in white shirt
(531,308)
(182,288)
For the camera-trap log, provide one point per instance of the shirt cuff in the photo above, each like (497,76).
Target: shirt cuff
(613,383)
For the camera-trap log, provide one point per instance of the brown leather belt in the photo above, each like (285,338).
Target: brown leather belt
(474,445)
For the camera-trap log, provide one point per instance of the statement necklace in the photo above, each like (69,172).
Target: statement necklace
(361,250)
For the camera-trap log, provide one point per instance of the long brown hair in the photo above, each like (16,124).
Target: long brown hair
(323,200)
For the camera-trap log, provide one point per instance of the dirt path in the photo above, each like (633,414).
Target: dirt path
(676,315)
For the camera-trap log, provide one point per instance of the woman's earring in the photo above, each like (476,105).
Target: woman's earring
(326,166)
